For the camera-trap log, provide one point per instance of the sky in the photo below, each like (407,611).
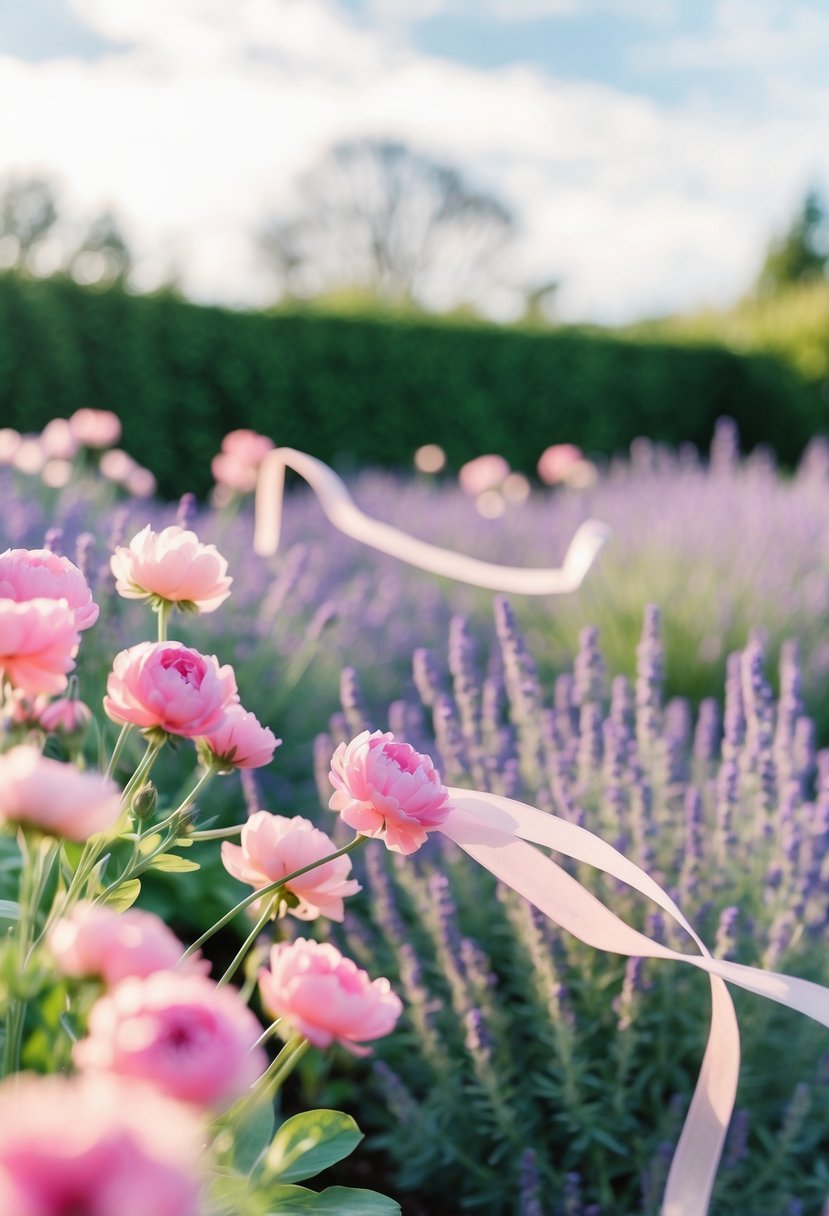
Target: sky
(648,149)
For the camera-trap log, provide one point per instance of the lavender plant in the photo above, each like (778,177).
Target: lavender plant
(535,1075)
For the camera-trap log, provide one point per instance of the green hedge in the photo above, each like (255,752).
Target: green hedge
(367,390)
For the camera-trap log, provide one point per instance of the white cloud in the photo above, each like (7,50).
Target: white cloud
(208,110)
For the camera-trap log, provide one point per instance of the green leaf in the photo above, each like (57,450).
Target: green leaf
(252,1137)
(124,897)
(310,1142)
(9,910)
(171,864)
(149,843)
(335,1201)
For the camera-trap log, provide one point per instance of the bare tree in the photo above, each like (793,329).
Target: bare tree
(377,216)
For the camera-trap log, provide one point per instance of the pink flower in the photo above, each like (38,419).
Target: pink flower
(95,428)
(97,1146)
(38,643)
(387,789)
(179,1033)
(27,574)
(66,716)
(326,997)
(237,465)
(57,798)
(95,940)
(170,686)
(249,446)
(171,565)
(483,473)
(58,440)
(556,461)
(273,847)
(240,741)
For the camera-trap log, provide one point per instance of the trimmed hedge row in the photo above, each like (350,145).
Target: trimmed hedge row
(369,391)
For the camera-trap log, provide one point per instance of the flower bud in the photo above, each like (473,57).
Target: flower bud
(145,802)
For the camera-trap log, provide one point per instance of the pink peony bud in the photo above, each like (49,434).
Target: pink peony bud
(27,574)
(387,789)
(171,565)
(66,716)
(56,798)
(555,462)
(169,686)
(326,997)
(274,846)
(240,741)
(97,1145)
(95,940)
(95,428)
(38,643)
(483,473)
(180,1033)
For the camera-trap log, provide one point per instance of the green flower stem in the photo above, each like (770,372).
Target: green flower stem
(202,783)
(272,1078)
(216,833)
(142,772)
(163,610)
(269,890)
(270,909)
(38,856)
(119,747)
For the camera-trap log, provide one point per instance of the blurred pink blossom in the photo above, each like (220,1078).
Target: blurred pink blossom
(58,440)
(273,846)
(27,574)
(95,940)
(325,997)
(237,465)
(38,642)
(483,473)
(116,465)
(386,789)
(96,428)
(9,443)
(99,1146)
(173,565)
(180,1033)
(140,482)
(555,462)
(29,456)
(65,716)
(170,686)
(240,740)
(57,798)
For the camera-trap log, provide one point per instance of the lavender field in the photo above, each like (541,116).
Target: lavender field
(674,705)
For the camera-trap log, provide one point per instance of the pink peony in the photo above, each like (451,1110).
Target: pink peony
(95,428)
(483,473)
(38,643)
(27,574)
(387,789)
(273,846)
(326,997)
(240,741)
(556,462)
(57,798)
(171,565)
(95,1146)
(66,716)
(180,1033)
(95,940)
(170,686)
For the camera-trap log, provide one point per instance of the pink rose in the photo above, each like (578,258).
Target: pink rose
(273,846)
(27,574)
(57,798)
(556,461)
(38,643)
(180,1033)
(171,565)
(95,940)
(387,789)
(97,1146)
(483,473)
(240,741)
(326,997)
(95,428)
(170,686)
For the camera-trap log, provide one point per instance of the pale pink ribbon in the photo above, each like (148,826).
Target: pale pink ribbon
(495,830)
(345,515)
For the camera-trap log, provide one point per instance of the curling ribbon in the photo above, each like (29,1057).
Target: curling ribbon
(495,831)
(345,515)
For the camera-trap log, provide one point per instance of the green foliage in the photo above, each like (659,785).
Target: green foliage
(367,390)
(799,256)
